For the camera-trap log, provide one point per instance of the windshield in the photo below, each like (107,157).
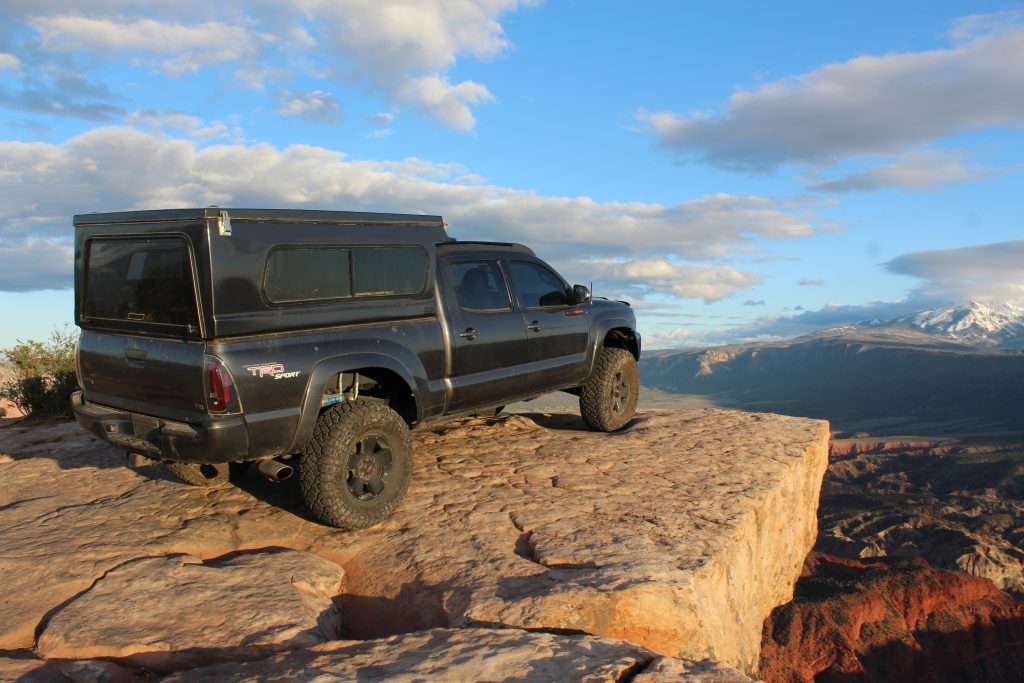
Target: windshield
(140,281)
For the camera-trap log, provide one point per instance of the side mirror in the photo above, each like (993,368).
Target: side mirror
(580,294)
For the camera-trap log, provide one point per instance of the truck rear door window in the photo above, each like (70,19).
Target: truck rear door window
(146,281)
(480,286)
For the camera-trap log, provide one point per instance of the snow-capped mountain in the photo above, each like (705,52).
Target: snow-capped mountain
(979,324)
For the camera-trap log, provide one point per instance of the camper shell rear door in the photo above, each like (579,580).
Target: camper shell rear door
(143,302)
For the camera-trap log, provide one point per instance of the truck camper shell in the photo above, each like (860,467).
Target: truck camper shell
(224,251)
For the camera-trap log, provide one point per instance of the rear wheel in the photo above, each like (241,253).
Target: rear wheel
(608,397)
(357,467)
(200,474)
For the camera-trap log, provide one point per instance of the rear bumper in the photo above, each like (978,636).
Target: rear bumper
(218,439)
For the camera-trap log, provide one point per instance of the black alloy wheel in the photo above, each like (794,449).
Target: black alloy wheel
(369,467)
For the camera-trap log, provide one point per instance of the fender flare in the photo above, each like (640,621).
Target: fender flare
(601,331)
(326,368)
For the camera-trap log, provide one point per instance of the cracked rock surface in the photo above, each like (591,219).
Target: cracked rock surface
(174,611)
(678,534)
(468,655)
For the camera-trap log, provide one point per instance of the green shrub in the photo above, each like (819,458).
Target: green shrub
(42,374)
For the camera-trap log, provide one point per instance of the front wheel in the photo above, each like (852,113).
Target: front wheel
(358,465)
(608,397)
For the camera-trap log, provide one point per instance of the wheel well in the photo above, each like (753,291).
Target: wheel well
(377,383)
(623,338)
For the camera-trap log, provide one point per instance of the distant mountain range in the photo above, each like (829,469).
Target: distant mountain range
(977,324)
(954,369)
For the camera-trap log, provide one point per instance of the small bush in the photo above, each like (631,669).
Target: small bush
(43,374)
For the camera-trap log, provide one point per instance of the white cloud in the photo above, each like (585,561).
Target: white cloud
(404,50)
(394,36)
(186,124)
(971,26)
(9,61)
(35,264)
(918,170)
(189,46)
(315,105)
(658,275)
(811,282)
(674,338)
(118,168)
(984,272)
(867,105)
(449,104)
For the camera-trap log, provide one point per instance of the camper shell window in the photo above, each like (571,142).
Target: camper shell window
(302,274)
(142,281)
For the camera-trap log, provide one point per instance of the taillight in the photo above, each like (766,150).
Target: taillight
(219,387)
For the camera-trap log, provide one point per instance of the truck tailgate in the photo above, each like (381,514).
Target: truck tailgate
(158,377)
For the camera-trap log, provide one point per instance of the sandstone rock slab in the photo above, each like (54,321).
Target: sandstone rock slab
(680,533)
(62,530)
(465,655)
(173,611)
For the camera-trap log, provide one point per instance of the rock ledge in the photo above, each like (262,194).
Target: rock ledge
(678,534)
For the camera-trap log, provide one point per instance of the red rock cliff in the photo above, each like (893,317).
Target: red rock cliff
(892,621)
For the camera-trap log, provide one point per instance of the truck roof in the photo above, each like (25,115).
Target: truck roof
(263,216)
(471,245)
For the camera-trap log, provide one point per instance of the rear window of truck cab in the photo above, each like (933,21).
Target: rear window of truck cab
(303,274)
(140,281)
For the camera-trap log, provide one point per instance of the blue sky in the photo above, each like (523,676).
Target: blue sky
(738,170)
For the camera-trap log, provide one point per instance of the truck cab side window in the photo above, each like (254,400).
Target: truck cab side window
(479,285)
(538,287)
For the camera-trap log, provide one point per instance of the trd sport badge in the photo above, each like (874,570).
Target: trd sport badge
(275,370)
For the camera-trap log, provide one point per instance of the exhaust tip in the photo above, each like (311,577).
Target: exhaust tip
(275,470)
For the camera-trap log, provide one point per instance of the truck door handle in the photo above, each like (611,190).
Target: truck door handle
(135,354)
(535,326)
(469,334)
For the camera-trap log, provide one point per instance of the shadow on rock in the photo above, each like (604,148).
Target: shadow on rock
(417,607)
(58,439)
(575,423)
(282,495)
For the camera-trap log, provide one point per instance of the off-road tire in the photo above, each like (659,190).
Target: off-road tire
(325,475)
(608,397)
(200,475)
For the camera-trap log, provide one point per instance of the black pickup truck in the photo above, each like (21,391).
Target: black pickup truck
(313,340)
